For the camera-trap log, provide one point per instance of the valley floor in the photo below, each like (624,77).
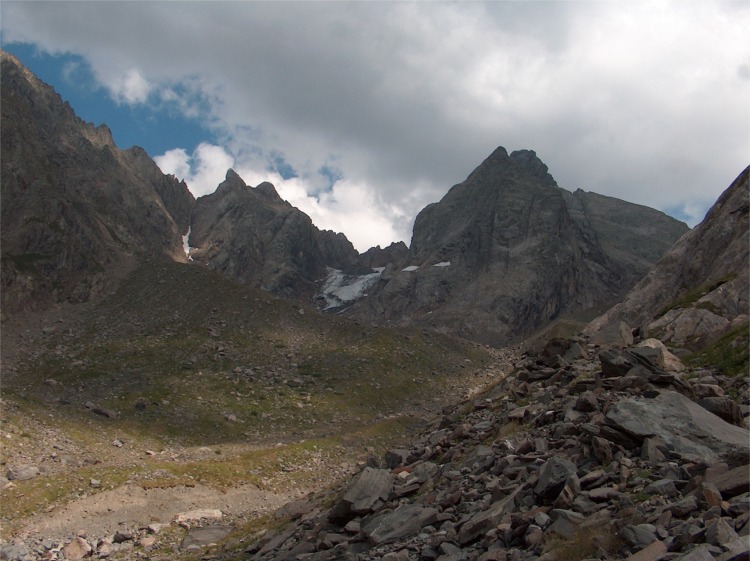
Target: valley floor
(87,475)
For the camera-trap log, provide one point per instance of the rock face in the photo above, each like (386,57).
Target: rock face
(381,257)
(74,205)
(699,290)
(507,251)
(253,236)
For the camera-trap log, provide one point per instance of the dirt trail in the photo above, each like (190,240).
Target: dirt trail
(131,506)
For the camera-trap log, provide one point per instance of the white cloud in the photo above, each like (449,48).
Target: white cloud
(203,170)
(347,207)
(131,87)
(176,162)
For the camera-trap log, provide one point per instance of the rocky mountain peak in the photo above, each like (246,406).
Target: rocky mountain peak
(507,251)
(529,161)
(232,182)
(268,190)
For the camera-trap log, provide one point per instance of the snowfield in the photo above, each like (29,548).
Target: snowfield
(340,288)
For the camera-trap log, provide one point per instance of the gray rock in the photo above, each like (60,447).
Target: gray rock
(14,552)
(733,482)
(724,407)
(684,506)
(294,509)
(485,520)
(564,523)
(78,548)
(396,457)
(22,473)
(207,535)
(719,532)
(407,519)
(690,432)
(638,536)
(653,552)
(552,478)
(369,487)
(663,487)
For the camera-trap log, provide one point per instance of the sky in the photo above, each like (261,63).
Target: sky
(362,113)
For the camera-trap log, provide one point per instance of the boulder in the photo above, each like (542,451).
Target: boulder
(665,358)
(733,482)
(690,432)
(77,549)
(484,521)
(724,407)
(22,473)
(369,487)
(405,520)
(205,513)
(552,478)
(207,535)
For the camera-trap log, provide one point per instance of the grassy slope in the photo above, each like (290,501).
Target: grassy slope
(187,358)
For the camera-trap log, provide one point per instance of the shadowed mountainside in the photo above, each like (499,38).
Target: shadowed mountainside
(507,252)
(699,290)
(75,208)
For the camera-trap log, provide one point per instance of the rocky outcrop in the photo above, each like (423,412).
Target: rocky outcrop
(507,251)
(699,290)
(75,207)
(380,257)
(254,237)
(571,461)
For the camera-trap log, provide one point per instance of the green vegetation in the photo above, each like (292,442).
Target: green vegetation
(690,298)
(729,355)
(270,391)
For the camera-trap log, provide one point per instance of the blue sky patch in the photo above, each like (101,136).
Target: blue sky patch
(156,127)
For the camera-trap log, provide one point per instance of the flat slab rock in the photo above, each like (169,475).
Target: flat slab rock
(207,535)
(691,432)
(407,519)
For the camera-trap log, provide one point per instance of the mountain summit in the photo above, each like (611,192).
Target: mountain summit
(507,252)
(255,237)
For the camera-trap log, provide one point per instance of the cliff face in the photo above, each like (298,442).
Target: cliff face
(255,237)
(74,206)
(699,289)
(507,251)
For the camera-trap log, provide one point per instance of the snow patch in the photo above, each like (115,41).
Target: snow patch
(340,288)
(186,243)
(442,264)
(410,268)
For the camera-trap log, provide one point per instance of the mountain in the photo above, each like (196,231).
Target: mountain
(507,252)
(698,291)
(75,209)
(503,254)
(78,212)
(254,237)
